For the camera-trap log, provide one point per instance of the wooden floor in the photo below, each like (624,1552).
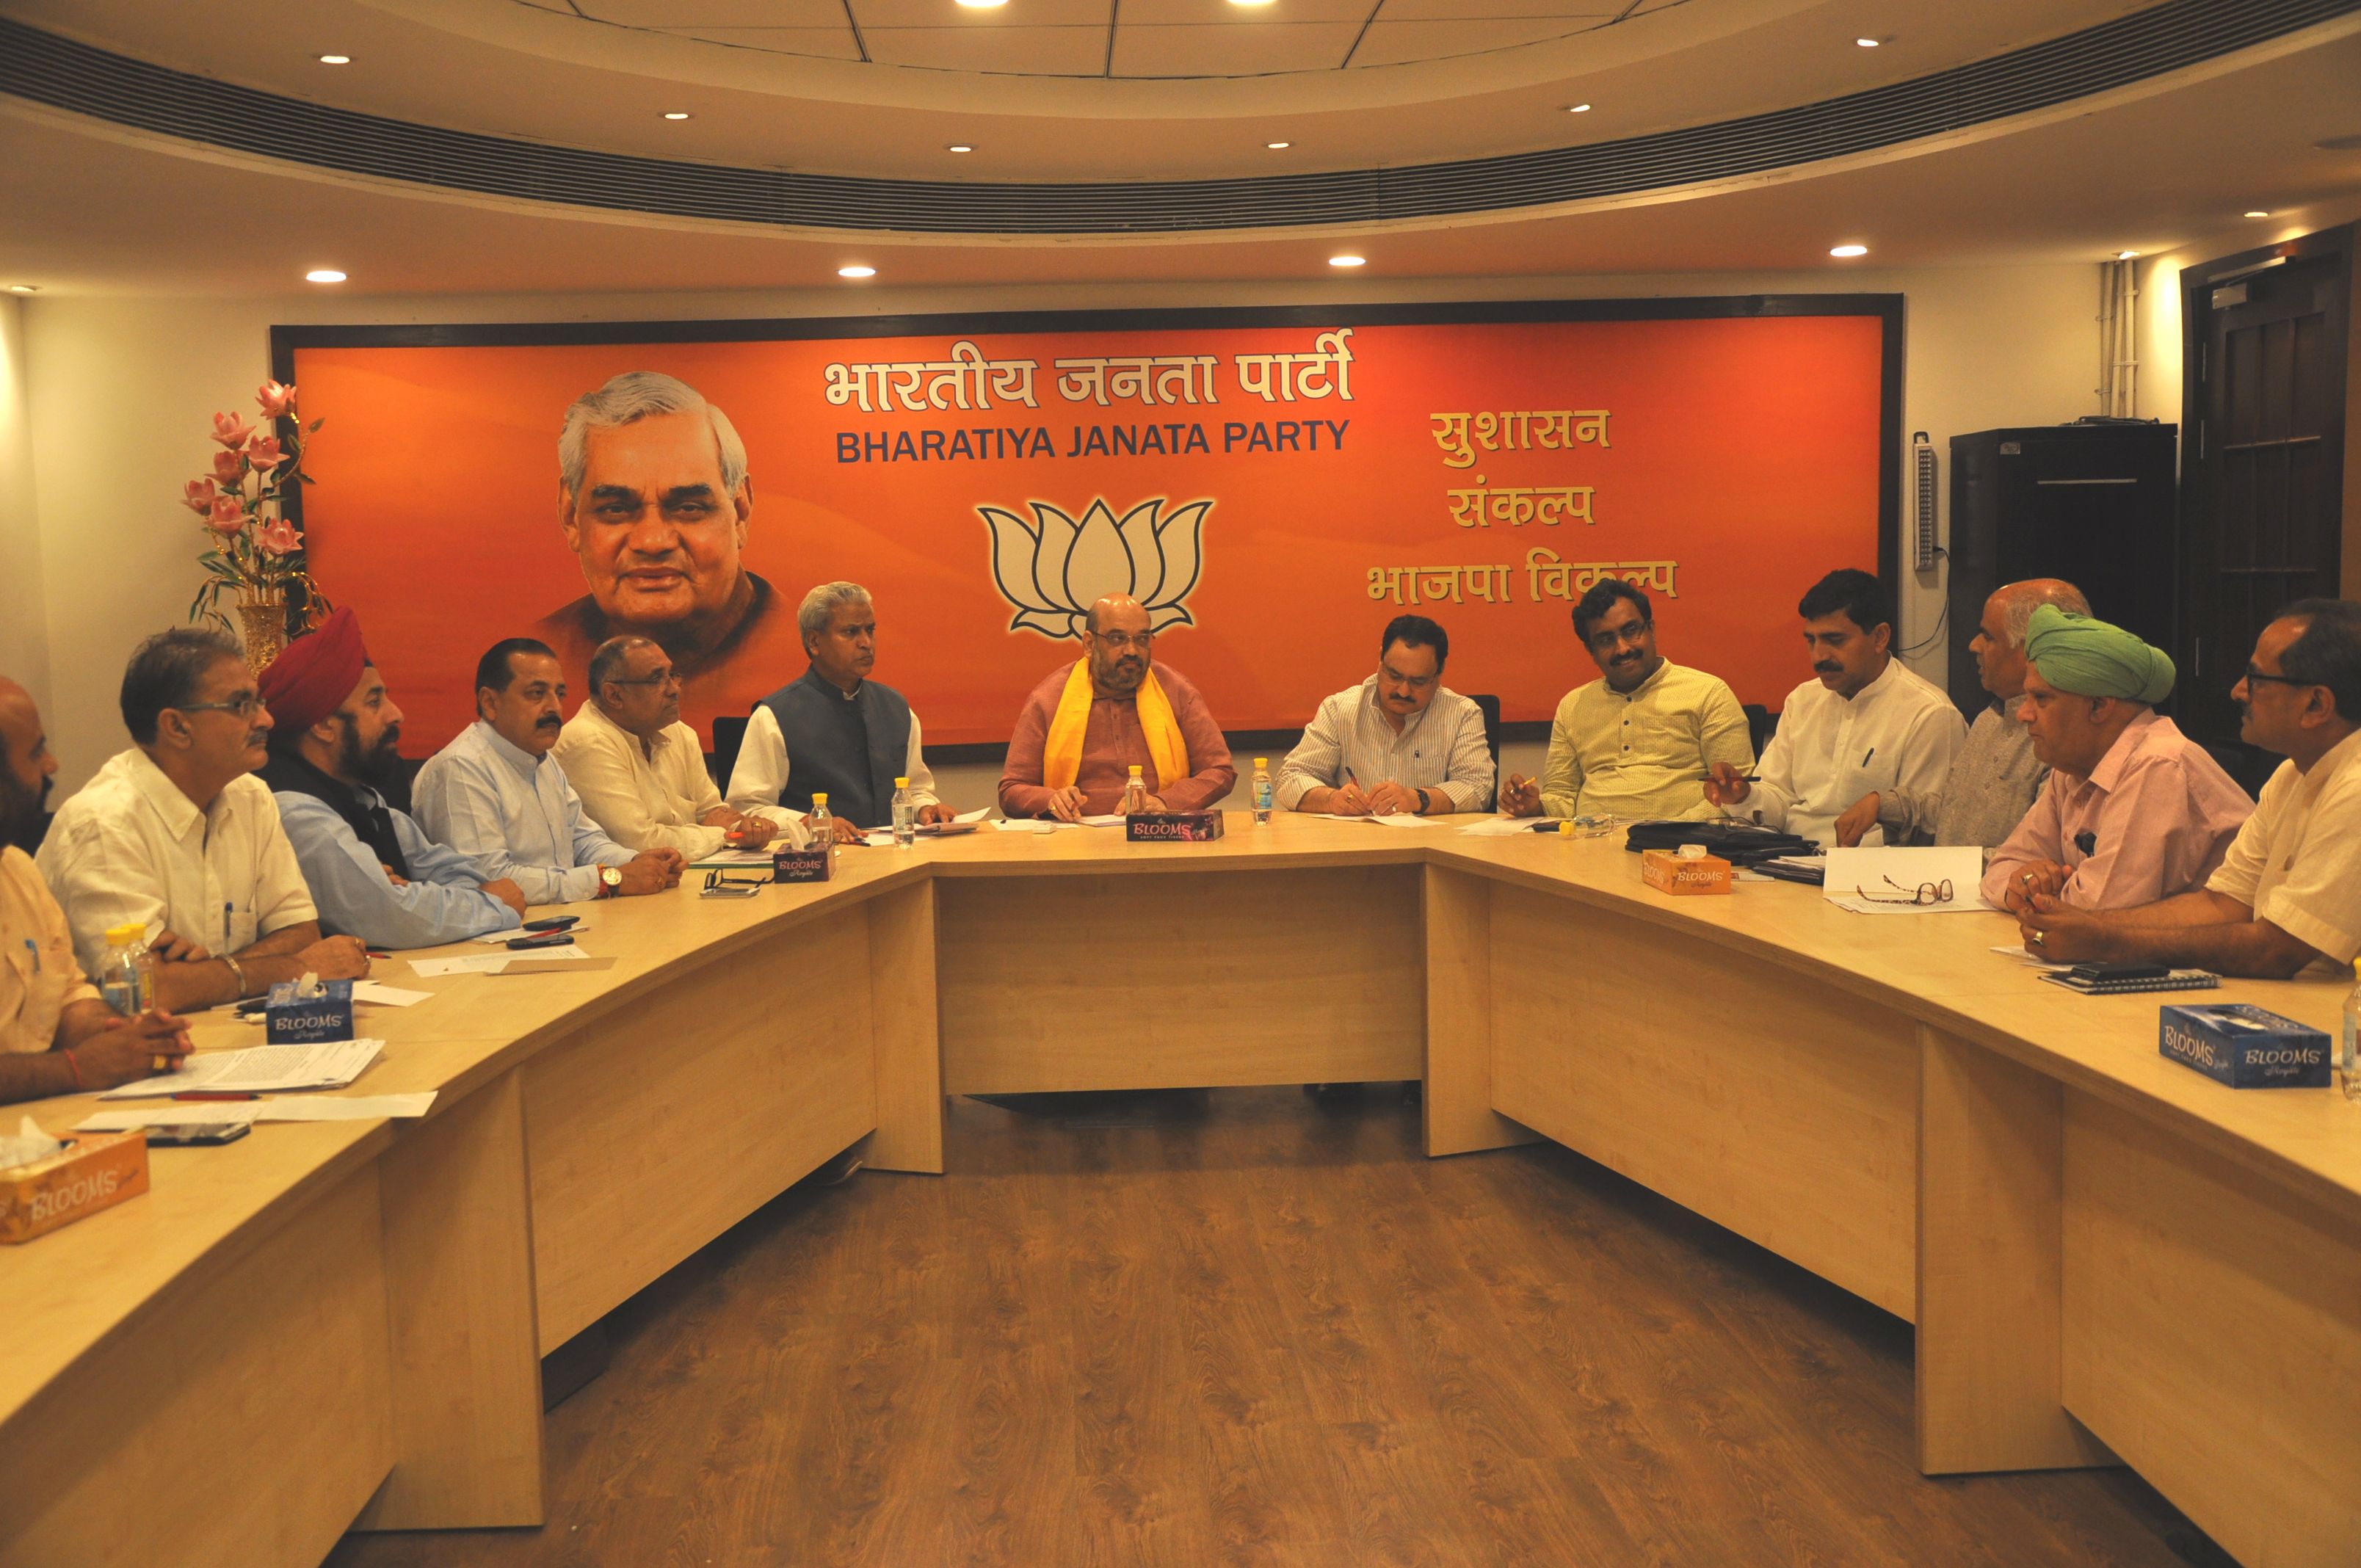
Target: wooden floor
(1238,1327)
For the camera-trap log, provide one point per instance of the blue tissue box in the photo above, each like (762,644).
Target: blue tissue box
(289,1020)
(2247,1046)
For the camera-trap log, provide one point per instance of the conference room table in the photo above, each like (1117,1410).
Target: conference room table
(2108,1257)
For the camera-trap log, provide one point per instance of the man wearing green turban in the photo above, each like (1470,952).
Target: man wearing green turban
(2133,810)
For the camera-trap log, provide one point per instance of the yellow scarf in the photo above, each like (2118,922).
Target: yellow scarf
(1061,753)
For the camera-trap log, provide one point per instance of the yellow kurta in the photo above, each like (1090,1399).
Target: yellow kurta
(1645,754)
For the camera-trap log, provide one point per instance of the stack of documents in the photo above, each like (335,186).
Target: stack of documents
(260,1070)
(324,1107)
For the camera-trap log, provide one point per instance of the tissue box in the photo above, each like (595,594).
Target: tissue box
(818,864)
(291,1020)
(1667,870)
(94,1171)
(1172,827)
(2245,1046)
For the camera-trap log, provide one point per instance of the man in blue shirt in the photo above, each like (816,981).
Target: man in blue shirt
(373,873)
(497,793)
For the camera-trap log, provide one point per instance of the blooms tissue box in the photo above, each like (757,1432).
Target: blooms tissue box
(1172,826)
(291,1019)
(96,1170)
(2245,1046)
(1669,871)
(815,863)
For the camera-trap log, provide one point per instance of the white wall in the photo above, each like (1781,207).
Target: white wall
(24,632)
(122,390)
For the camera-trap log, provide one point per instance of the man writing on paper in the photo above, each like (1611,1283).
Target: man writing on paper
(835,731)
(1866,723)
(1639,739)
(176,835)
(1401,741)
(1087,725)
(640,770)
(497,793)
(56,1035)
(1994,779)
(2133,811)
(2289,892)
(374,872)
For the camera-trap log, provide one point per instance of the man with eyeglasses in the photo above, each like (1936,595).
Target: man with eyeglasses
(1400,741)
(2133,810)
(1639,740)
(2288,896)
(1087,725)
(641,771)
(177,836)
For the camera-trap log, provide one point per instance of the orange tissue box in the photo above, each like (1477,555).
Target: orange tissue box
(94,1171)
(1667,870)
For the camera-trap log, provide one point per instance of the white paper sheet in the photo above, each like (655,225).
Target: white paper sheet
(1499,826)
(345,1107)
(1025,825)
(387,995)
(1111,820)
(487,963)
(1391,819)
(977,815)
(215,1115)
(1858,879)
(260,1070)
(2017,951)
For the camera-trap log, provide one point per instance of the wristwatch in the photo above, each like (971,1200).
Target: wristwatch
(610,880)
(1423,803)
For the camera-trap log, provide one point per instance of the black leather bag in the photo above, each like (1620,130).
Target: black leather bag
(1740,843)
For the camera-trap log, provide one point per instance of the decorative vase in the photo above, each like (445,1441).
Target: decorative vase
(263,624)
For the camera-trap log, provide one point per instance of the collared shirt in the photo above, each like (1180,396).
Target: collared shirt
(2297,862)
(1990,788)
(763,762)
(442,898)
(1898,731)
(39,976)
(129,848)
(1439,749)
(2157,814)
(1112,742)
(516,813)
(1643,753)
(650,799)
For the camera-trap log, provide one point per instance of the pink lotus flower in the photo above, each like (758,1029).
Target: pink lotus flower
(198,495)
(228,515)
(230,430)
(279,537)
(264,453)
(228,467)
(277,401)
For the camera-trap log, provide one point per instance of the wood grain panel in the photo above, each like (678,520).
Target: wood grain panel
(902,999)
(665,1121)
(1180,980)
(1990,1143)
(2211,1336)
(244,1425)
(1781,1108)
(1459,1118)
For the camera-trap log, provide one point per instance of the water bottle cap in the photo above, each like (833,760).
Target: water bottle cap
(1135,770)
(819,797)
(124,936)
(901,784)
(1262,762)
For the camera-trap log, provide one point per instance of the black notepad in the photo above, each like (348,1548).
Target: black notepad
(2178,980)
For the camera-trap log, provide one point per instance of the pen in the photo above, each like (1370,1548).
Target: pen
(213,1094)
(1872,752)
(34,948)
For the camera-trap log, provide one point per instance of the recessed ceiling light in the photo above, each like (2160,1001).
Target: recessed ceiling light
(1279,146)
(1577,109)
(2258,213)
(323,275)
(959,147)
(1869,43)
(1348,260)
(1249,4)
(856,272)
(982,5)
(24,288)
(1848,250)
(676,114)
(2126,255)
(335,59)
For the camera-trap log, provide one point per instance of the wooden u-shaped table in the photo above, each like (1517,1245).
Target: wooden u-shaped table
(336,1325)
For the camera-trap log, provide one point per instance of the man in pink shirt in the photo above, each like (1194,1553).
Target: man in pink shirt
(2133,810)
(1088,724)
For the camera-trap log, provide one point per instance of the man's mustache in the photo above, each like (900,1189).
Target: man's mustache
(1826,669)
(549,721)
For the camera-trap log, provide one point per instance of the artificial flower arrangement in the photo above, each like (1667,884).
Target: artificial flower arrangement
(254,553)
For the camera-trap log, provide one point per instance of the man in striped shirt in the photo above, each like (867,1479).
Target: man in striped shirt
(1400,741)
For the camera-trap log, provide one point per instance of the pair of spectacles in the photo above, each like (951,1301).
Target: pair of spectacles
(1119,641)
(2254,674)
(1925,892)
(662,678)
(244,704)
(723,879)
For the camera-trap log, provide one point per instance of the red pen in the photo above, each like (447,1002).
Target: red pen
(213,1094)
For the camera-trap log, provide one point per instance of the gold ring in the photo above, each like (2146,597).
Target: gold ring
(2027,877)
(2040,938)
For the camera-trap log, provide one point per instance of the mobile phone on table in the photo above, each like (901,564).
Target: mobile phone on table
(191,1133)
(545,940)
(550,923)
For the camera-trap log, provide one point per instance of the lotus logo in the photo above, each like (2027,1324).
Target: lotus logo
(1053,568)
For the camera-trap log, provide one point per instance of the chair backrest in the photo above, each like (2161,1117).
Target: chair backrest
(1489,706)
(729,735)
(1760,725)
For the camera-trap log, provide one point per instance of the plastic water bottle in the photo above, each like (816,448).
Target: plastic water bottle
(1262,792)
(2348,1034)
(127,976)
(1135,793)
(905,816)
(823,827)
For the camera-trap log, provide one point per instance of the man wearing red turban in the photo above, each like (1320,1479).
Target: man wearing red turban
(374,872)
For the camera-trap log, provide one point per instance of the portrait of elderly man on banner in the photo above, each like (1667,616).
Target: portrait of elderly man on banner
(655,500)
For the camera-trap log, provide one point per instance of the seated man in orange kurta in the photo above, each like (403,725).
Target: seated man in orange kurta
(1085,727)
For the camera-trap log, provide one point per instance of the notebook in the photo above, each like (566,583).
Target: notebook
(2178,980)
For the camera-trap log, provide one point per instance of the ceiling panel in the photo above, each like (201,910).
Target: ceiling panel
(1220,13)
(1574,14)
(944,13)
(1052,52)
(1392,43)
(1232,51)
(825,43)
(698,16)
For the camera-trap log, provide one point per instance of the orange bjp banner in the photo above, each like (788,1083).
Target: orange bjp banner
(1275,486)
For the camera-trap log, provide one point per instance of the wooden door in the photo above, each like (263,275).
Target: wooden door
(2263,459)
